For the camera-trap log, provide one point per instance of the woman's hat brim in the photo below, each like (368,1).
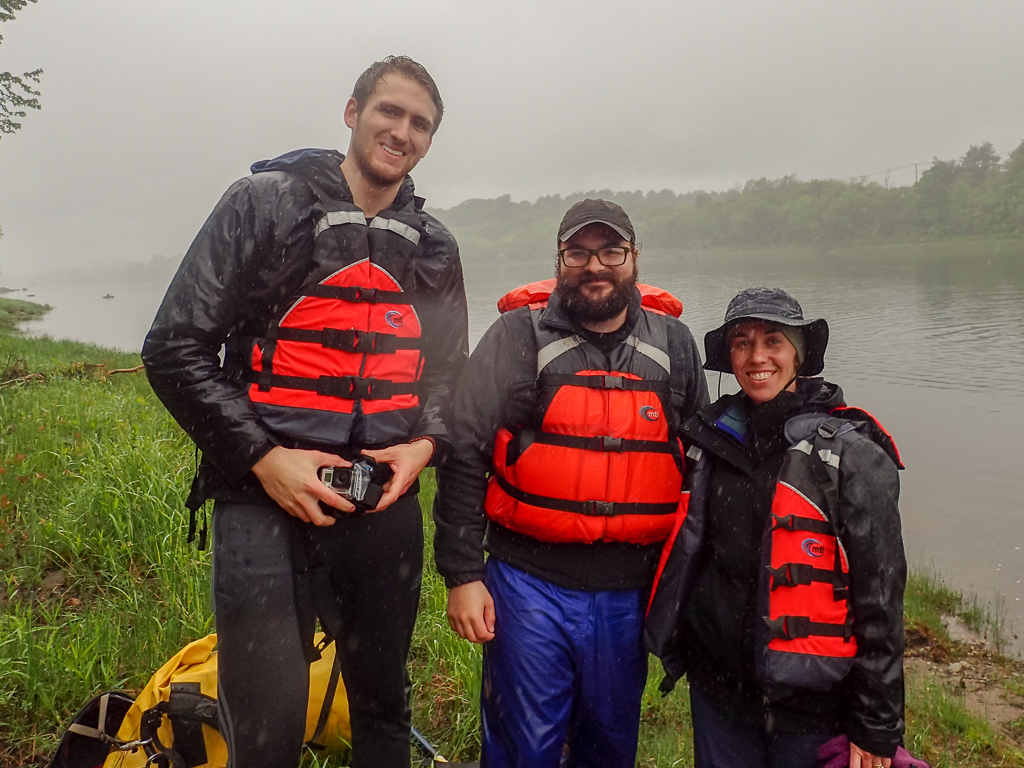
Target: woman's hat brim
(815,330)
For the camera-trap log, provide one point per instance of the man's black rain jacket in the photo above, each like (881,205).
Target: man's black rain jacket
(248,259)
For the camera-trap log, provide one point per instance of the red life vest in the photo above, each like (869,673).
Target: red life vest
(340,363)
(806,639)
(598,461)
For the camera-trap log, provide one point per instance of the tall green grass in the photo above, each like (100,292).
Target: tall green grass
(98,584)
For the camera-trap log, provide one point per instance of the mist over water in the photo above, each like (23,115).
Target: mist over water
(931,341)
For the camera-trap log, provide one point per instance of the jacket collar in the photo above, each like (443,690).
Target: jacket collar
(322,167)
(715,426)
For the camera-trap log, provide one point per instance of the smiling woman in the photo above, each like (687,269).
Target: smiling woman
(791,558)
(764,360)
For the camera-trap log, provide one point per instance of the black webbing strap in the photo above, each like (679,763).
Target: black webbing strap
(268,346)
(325,708)
(359,294)
(797,627)
(346,387)
(189,710)
(602,381)
(592,508)
(602,443)
(801,574)
(193,506)
(797,523)
(368,342)
(314,596)
(159,753)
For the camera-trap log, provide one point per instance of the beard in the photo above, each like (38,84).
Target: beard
(584,309)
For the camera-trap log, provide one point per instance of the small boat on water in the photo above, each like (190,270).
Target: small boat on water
(109,296)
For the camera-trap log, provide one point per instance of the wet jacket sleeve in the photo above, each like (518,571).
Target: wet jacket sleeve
(501,369)
(442,303)
(689,386)
(871,532)
(201,307)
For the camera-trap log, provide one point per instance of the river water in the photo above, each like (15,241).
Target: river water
(931,341)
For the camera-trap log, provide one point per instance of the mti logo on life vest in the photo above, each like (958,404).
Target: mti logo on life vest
(394,318)
(813,547)
(650,413)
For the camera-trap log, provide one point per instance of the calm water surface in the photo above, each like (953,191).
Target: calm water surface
(933,345)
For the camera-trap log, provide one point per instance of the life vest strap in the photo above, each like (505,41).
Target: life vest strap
(597,381)
(368,342)
(355,293)
(591,508)
(345,387)
(801,574)
(603,443)
(797,627)
(797,523)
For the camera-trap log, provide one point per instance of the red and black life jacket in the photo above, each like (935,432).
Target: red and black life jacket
(599,460)
(806,638)
(339,365)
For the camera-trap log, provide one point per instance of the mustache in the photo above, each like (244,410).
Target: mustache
(593,277)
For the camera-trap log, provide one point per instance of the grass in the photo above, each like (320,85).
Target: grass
(14,311)
(99,587)
(939,726)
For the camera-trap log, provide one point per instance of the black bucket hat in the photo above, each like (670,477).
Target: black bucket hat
(772,305)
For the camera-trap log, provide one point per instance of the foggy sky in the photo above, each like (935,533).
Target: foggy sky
(151,109)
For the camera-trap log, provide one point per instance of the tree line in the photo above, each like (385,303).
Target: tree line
(977,195)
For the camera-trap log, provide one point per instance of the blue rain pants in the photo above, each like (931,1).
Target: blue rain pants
(717,743)
(565,670)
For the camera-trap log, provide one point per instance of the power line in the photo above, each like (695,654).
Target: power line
(905,167)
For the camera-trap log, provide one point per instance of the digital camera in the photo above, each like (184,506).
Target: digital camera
(348,482)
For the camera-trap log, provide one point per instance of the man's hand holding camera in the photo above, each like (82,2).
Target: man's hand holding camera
(290,476)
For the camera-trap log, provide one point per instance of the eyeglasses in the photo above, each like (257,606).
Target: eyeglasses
(609,256)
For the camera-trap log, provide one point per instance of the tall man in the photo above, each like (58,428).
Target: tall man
(572,408)
(341,309)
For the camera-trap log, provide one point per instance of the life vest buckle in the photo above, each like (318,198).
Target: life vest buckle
(829,428)
(610,443)
(365,341)
(786,523)
(614,382)
(369,295)
(349,341)
(603,508)
(788,628)
(354,387)
(789,575)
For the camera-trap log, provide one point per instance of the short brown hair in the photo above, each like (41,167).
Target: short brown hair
(403,65)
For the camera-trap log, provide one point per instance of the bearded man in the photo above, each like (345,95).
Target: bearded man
(570,404)
(340,307)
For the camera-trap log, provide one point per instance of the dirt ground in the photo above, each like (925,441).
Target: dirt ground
(991,684)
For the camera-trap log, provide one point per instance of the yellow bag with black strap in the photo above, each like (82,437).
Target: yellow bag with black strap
(175,716)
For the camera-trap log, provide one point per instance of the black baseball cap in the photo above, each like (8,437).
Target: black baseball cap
(591,211)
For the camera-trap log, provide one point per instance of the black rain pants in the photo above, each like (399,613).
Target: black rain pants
(375,563)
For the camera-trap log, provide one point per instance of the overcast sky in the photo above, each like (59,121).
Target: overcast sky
(151,109)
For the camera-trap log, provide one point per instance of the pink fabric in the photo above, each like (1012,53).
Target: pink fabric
(836,754)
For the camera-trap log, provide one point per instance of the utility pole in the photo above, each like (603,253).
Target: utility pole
(915,173)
